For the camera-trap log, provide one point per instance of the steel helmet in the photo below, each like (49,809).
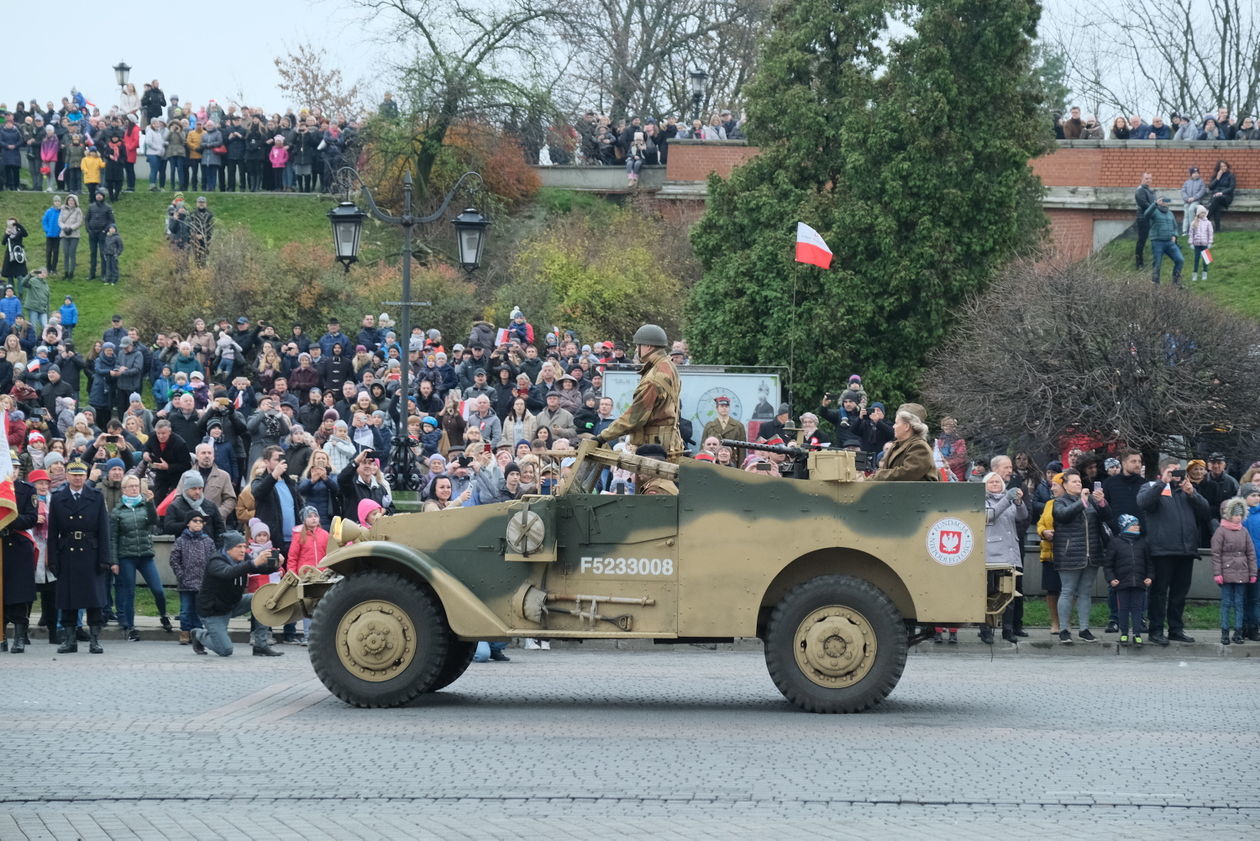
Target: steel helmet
(651,334)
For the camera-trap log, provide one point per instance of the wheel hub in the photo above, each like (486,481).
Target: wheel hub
(835,646)
(376,640)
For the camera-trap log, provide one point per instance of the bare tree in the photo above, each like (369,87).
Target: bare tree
(1051,351)
(467,60)
(1183,56)
(310,81)
(635,55)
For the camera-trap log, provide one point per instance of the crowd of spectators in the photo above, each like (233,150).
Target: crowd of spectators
(75,145)
(598,140)
(1215,126)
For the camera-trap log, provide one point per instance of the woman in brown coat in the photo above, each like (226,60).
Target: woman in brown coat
(909,457)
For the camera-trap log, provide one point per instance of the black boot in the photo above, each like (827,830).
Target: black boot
(94,641)
(70,644)
(1224,637)
(1253,634)
(19,637)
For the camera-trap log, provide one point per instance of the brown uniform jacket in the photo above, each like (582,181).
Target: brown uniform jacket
(734,430)
(908,461)
(652,417)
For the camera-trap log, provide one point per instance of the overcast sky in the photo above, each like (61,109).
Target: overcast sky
(217,50)
(223,50)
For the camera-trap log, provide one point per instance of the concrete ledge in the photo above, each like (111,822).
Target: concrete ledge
(1121,198)
(598,179)
(1220,145)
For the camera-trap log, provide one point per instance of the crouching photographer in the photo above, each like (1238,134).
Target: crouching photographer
(222,596)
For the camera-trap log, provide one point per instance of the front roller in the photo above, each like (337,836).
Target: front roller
(378,640)
(835,644)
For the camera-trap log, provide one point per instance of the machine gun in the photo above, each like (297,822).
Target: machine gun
(827,462)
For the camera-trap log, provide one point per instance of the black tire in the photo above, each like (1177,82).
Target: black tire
(431,642)
(860,600)
(459,656)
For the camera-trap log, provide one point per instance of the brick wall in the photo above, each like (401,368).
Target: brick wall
(1072,231)
(1122,165)
(691,160)
(1108,164)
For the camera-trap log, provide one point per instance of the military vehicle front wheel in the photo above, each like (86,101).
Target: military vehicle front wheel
(378,640)
(835,644)
(459,655)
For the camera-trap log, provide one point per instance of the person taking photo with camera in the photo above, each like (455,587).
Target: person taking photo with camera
(222,596)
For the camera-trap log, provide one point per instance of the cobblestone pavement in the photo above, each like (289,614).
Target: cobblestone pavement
(150,742)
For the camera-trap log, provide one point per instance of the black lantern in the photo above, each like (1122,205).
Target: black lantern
(470,237)
(122,72)
(347,227)
(697,79)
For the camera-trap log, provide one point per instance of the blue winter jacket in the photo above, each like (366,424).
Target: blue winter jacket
(69,315)
(11,307)
(51,222)
(1252,524)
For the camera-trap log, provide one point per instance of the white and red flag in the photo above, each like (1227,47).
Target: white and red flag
(811,248)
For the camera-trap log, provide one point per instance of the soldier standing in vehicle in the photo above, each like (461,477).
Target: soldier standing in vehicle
(78,553)
(652,417)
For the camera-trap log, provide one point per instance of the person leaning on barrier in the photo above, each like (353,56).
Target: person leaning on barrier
(909,457)
(653,485)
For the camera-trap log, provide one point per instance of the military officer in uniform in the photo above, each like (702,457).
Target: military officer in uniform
(78,553)
(725,426)
(653,485)
(652,417)
(19,564)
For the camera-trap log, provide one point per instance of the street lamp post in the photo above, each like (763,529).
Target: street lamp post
(347,224)
(697,78)
(122,72)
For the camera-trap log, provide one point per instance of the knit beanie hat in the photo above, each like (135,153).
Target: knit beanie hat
(232,538)
(1129,523)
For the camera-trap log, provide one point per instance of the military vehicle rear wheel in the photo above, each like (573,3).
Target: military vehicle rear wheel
(378,640)
(835,644)
(459,655)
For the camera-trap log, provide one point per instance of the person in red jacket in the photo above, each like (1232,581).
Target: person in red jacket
(307,549)
(310,542)
(131,142)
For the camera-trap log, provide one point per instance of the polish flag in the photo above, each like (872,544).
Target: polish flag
(810,247)
(8,497)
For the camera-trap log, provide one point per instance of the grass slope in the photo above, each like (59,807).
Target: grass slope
(275,219)
(1233,281)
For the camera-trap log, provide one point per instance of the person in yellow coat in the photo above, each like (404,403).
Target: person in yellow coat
(193,140)
(92,166)
(1049,575)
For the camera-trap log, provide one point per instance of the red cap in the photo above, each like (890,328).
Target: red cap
(704,456)
(38,476)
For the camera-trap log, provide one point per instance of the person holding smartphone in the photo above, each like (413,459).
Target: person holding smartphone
(275,493)
(1173,509)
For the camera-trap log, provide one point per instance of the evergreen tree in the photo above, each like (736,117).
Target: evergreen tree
(911,159)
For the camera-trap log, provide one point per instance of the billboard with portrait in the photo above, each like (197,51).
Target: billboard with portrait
(754,396)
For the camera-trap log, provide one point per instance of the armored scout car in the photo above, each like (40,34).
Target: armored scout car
(837,577)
